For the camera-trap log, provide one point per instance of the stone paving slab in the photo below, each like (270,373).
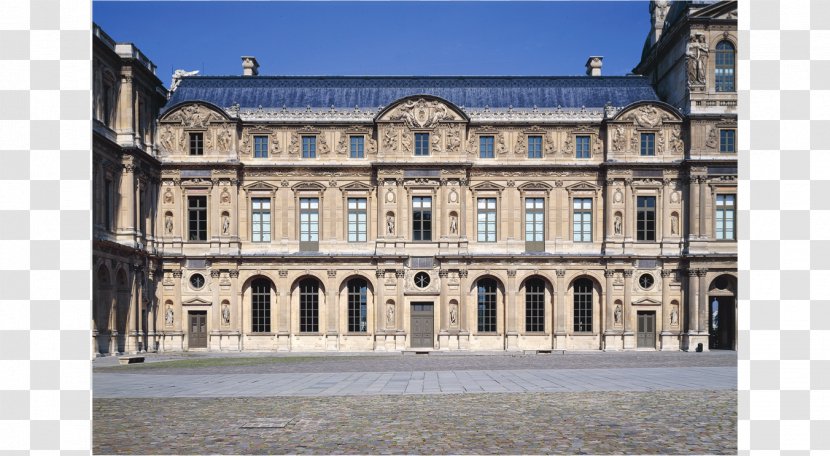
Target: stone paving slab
(653,422)
(106,385)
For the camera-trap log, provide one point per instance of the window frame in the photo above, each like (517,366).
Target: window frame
(258,151)
(482,150)
(487,316)
(535,146)
(582,211)
(644,211)
(313,218)
(583,305)
(308,147)
(582,145)
(721,212)
(357,149)
(255,211)
(357,211)
(421,144)
(357,305)
(201,219)
(491,222)
(535,245)
(724,71)
(309,305)
(648,138)
(420,220)
(196,143)
(721,144)
(260,317)
(535,305)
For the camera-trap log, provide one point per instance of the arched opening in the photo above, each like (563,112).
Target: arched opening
(487,299)
(722,321)
(260,305)
(357,303)
(724,67)
(309,305)
(583,292)
(537,294)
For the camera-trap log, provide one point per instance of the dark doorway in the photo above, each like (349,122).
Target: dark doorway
(197,338)
(722,322)
(645,329)
(422,320)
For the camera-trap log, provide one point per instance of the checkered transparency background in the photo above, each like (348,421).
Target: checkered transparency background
(784,225)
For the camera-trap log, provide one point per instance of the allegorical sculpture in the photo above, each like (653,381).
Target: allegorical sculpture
(617,314)
(168,316)
(390,224)
(697,54)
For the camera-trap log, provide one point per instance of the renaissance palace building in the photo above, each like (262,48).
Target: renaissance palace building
(375,213)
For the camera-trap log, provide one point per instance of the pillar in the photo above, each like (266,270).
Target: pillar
(560,302)
(694,205)
(665,274)
(703,210)
(666,209)
(609,210)
(609,300)
(692,301)
(630,211)
(628,318)
(703,303)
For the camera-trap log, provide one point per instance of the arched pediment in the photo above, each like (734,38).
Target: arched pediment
(194,115)
(421,111)
(649,114)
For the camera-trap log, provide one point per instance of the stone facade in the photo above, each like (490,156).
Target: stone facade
(425,224)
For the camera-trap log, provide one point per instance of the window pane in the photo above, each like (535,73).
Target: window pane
(486,147)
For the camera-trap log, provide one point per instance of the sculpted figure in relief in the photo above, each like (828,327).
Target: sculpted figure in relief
(168,197)
(168,316)
(697,54)
(436,142)
(647,117)
(712,139)
(619,138)
(676,141)
(225,198)
(390,224)
(674,224)
(226,314)
(342,146)
(223,138)
(390,315)
(168,139)
(501,147)
(406,142)
(521,149)
(617,314)
(453,224)
(673,316)
(371,146)
(226,224)
(454,314)
(453,141)
(389,140)
(617,225)
(168,224)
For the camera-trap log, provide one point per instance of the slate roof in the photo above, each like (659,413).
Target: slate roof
(375,91)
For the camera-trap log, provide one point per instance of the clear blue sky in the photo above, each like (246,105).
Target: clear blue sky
(381,38)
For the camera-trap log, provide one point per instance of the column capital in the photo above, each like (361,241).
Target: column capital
(628,273)
(609,273)
(511,273)
(560,273)
(380,273)
(666,272)
(233,273)
(463,273)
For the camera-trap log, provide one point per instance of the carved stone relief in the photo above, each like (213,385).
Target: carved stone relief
(421,113)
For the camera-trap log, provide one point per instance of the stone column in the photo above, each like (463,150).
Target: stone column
(444,313)
(560,302)
(703,210)
(125,220)
(332,293)
(694,204)
(692,301)
(630,211)
(399,302)
(665,274)
(609,210)
(380,303)
(703,306)
(666,210)
(462,215)
(236,305)
(216,306)
(609,300)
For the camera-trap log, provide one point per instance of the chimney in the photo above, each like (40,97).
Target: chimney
(250,67)
(593,67)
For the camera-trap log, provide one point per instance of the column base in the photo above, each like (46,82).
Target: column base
(613,341)
(629,341)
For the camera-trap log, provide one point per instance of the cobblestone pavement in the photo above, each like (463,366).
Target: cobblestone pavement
(662,422)
(321,362)
(414,382)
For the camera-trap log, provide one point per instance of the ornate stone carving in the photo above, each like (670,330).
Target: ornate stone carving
(453,140)
(435,139)
(322,145)
(560,273)
(618,225)
(214,273)
(619,139)
(343,144)
(628,273)
(673,316)
(332,273)
(462,273)
(647,117)
(453,314)
(223,138)
(421,113)
(390,315)
(617,315)
(168,224)
(283,273)
(167,138)
(390,224)
(697,56)
(168,316)
(511,273)
(569,143)
(521,147)
(226,314)
(712,138)
(676,141)
(390,139)
(294,144)
(168,197)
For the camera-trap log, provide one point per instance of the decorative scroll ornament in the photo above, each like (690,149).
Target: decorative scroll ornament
(422,113)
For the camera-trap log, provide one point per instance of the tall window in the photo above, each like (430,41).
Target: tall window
(260,146)
(534,147)
(486,220)
(535,224)
(646,144)
(309,224)
(421,144)
(485,147)
(356,147)
(583,147)
(357,219)
(357,305)
(261,306)
(261,219)
(646,228)
(309,147)
(108,204)
(197,218)
(107,108)
(487,305)
(421,218)
(535,305)
(583,305)
(309,305)
(725,217)
(197,141)
(582,220)
(727,140)
(724,67)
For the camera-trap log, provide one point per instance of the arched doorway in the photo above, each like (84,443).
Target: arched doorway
(722,312)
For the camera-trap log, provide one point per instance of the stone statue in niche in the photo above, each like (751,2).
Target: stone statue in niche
(453,314)
(168,316)
(673,316)
(226,314)
(226,223)
(617,225)
(390,315)
(453,224)
(617,314)
(698,54)
(168,224)
(390,224)
(674,224)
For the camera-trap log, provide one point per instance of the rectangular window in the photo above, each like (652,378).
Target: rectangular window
(197,218)
(309,147)
(485,147)
(535,224)
(260,147)
(356,147)
(647,144)
(309,224)
(646,228)
(261,219)
(583,147)
(421,144)
(197,141)
(486,220)
(727,141)
(357,219)
(421,218)
(534,147)
(108,204)
(582,219)
(725,217)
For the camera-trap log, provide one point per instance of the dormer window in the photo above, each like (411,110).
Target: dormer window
(421,144)
(260,147)
(197,141)
(309,147)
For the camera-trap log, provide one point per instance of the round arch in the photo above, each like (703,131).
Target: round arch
(722,293)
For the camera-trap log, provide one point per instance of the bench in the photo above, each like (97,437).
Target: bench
(130,359)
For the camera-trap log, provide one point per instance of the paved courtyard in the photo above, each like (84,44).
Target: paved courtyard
(522,404)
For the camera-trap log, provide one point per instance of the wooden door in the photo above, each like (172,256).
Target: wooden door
(421,325)
(197,337)
(646,334)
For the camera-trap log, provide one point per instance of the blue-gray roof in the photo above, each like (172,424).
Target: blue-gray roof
(375,91)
